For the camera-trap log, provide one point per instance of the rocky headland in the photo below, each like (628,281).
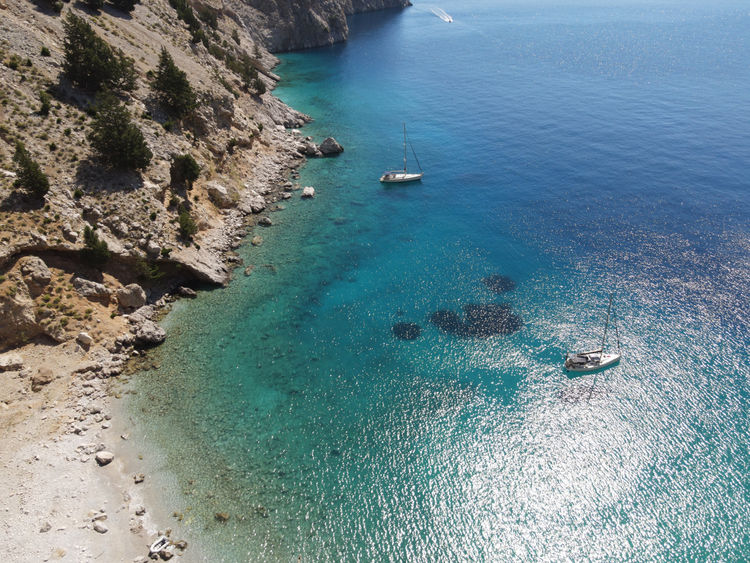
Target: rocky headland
(71,325)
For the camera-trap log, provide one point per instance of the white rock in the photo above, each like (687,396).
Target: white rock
(100,527)
(308,192)
(104,457)
(84,339)
(10,362)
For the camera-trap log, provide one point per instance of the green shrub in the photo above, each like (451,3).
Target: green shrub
(187,225)
(183,171)
(46,101)
(28,173)
(185,13)
(173,88)
(236,36)
(45,52)
(117,140)
(13,62)
(259,86)
(95,251)
(90,63)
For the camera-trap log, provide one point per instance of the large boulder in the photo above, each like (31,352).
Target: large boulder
(308,192)
(18,321)
(35,273)
(252,202)
(330,147)
(146,331)
(222,196)
(92,291)
(10,362)
(131,296)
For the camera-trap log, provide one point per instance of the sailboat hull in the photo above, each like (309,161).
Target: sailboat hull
(400,177)
(586,362)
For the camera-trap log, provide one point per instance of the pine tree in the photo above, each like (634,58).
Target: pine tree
(173,88)
(28,173)
(90,63)
(117,140)
(184,170)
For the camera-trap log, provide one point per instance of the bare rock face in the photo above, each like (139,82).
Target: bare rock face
(221,195)
(330,147)
(35,273)
(286,26)
(92,291)
(131,296)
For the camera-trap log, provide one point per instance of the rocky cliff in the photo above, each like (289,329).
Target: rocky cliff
(286,25)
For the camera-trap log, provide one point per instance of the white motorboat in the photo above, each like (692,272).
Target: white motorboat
(162,542)
(594,360)
(403,176)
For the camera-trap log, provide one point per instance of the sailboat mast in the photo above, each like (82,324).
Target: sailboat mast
(606,324)
(404,148)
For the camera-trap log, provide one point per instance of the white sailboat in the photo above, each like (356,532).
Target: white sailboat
(594,360)
(402,176)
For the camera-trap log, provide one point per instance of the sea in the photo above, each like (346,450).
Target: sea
(572,150)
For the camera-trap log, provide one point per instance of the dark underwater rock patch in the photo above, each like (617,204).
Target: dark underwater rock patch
(497,283)
(479,321)
(406,331)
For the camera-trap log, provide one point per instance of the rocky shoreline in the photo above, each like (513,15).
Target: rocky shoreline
(71,384)
(71,332)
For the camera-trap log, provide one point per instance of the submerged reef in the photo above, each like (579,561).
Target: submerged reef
(406,331)
(497,283)
(479,321)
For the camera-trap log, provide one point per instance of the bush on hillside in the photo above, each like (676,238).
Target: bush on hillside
(95,251)
(173,88)
(46,100)
(118,141)
(28,173)
(187,225)
(183,171)
(90,63)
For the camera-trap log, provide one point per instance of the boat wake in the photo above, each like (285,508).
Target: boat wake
(442,14)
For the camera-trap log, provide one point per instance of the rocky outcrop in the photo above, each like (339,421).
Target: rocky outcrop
(308,192)
(222,196)
(285,25)
(131,296)
(330,147)
(35,273)
(92,291)
(145,330)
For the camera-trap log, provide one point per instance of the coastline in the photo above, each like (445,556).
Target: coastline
(51,435)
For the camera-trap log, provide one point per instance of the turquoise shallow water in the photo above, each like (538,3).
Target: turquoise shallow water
(577,148)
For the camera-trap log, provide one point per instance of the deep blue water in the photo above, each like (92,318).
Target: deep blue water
(578,148)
